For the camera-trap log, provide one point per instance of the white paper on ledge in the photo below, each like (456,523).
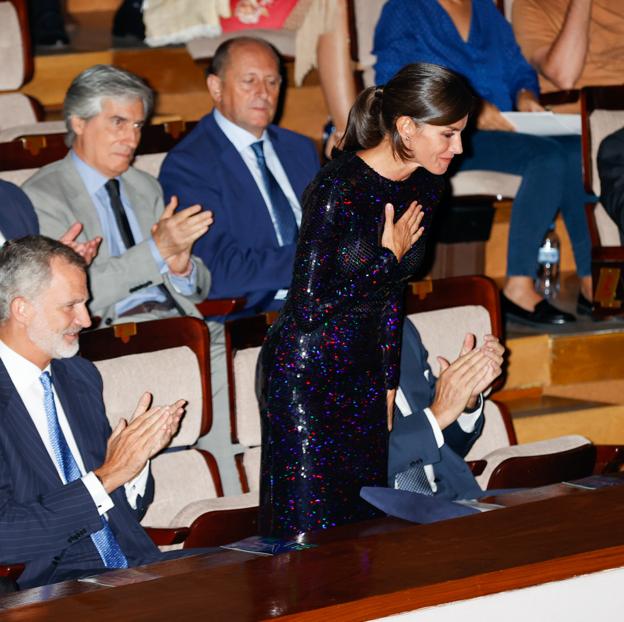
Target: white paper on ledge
(545,123)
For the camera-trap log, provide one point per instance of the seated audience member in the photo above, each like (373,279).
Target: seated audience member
(611,171)
(18,218)
(71,493)
(473,38)
(144,269)
(437,420)
(250,173)
(572,43)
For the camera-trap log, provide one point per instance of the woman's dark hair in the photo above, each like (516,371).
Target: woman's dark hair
(425,92)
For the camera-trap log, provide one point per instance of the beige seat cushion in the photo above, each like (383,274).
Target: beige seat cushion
(11,49)
(188,514)
(205,47)
(494,435)
(169,375)
(29,126)
(150,163)
(502,185)
(18,177)
(602,123)
(247,411)
(180,478)
(608,231)
(15,110)
(538,448)
(251,463)
(443,331)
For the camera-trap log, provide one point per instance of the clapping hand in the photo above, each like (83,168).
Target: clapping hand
(134,442)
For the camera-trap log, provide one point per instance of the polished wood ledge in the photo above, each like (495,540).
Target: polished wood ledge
(360,572)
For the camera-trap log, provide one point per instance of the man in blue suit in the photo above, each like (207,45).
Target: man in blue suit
(249,173)
(18,218)
(71,493)
(436,421)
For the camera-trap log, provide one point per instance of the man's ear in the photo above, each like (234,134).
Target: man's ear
(21,310)
(214,84)
(77,124)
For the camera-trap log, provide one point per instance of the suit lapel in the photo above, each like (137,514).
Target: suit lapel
(21,432)
(81,202)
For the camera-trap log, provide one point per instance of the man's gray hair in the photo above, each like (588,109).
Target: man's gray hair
(25,269)
(87,90)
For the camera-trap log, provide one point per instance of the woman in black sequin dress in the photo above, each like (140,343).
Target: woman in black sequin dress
(328,370)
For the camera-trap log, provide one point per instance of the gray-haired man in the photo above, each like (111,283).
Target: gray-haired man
(144,269)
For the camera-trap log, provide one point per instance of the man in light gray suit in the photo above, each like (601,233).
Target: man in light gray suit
(144,269)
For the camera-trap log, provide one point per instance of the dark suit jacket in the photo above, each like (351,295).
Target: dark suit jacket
(611,170)
(412,440)
(241,248)
(17,215)
(42,522)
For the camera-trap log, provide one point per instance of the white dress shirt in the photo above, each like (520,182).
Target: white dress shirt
(242,141)
(25,377)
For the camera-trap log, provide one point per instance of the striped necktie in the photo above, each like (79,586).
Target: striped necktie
(104,539)
(282,211)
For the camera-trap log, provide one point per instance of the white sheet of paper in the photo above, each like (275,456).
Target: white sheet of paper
(545,123)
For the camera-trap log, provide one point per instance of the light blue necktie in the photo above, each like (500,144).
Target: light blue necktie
(104,539)
(282,211)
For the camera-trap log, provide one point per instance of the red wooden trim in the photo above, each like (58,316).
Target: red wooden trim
(532,471)
(222,527)
(586,109)
(609,458)
(220,306)
(211,463)
(162,536)
(476,466)
(11,571)
(242,474)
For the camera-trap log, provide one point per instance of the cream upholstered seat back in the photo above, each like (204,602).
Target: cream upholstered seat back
(601,124)
(12,52)
(169,375)
(442,333)
(246,404)
(181,477)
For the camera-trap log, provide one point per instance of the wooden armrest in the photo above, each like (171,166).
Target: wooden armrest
(560,97)
(609,459)
(221,306)
(222,527)
(476,466)
(11,571)
(162,536)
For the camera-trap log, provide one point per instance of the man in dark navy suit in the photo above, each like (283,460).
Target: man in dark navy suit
(71,493)
(251,174)
(18,218)
(437,420)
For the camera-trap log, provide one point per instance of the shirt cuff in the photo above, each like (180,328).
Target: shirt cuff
(98,493)
(435,426)
(185,285)
(136,487)
(158,258)
(468,420)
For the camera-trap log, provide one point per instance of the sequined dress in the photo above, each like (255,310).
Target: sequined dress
(334,351)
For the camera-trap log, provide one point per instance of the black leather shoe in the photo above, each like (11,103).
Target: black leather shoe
(584,306)
(544,313)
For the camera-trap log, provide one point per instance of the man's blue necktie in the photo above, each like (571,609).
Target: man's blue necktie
(282,211)
(104,539)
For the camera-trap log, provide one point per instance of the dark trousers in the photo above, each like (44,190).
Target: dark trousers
(551,172)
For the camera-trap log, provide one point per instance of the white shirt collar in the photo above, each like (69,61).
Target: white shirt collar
(23,373)
(239,137)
